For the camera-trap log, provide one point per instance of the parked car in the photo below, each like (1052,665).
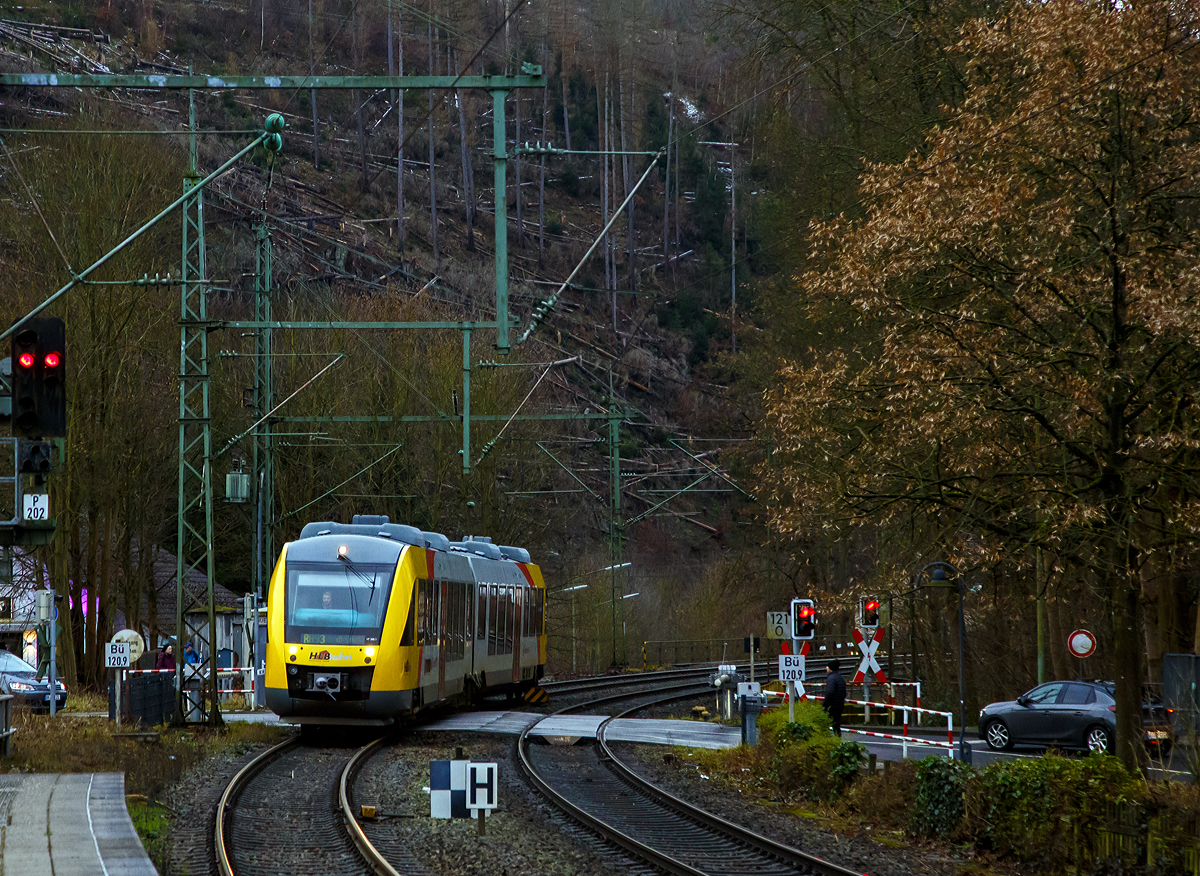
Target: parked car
(18,678)
(1065,714)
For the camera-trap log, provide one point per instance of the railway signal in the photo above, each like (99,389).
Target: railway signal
(868,614)
(39,402)
(804,619)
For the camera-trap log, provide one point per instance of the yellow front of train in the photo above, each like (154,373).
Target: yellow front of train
(337,605)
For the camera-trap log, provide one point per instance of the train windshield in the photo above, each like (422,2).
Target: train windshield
(336,603)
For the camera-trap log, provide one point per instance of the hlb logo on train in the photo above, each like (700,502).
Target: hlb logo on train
(461,788)
(325,655)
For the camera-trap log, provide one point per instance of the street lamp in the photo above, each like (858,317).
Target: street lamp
(574,638)
(938,576)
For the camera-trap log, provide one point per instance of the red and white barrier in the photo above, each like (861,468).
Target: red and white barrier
(913,684)
(904,737)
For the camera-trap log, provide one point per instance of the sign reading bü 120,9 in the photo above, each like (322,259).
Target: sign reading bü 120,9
(791,667)
(461,788)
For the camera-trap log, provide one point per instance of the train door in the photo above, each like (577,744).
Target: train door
(514,630)
(443,645)
(479,652)
(429,636)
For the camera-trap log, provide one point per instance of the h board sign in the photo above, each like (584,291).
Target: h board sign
(460,788)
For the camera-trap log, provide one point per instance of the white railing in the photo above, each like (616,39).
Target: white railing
(903,736)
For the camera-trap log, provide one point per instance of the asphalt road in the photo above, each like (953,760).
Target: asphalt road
(1172,766)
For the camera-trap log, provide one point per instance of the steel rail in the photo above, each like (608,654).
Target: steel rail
(624,841)
(235,786)
(740,834)
(375,860)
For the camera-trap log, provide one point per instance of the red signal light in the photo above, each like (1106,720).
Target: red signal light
(52,360)
(806,611)
(25,360)
(872,605)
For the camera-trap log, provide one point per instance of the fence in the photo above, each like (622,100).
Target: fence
(670,652)
(903,736)
(193,678)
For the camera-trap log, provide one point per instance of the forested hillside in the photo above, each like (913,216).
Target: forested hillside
(812,312)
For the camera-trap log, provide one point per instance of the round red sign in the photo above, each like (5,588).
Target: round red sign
(1081,643)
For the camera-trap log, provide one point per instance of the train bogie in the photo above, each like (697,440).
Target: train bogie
(372,621)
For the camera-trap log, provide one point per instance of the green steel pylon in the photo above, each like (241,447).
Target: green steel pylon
(197,684)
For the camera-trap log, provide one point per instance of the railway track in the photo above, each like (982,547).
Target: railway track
(290,811)
(592,786)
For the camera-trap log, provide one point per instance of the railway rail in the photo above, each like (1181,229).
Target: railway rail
(592,786)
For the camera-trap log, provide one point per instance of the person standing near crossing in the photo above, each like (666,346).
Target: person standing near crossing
(835,695)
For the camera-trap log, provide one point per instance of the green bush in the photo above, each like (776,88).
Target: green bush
(938,809)
(1047,811)
(801,762)
(847,759)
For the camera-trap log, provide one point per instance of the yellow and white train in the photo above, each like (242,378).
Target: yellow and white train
(371,621)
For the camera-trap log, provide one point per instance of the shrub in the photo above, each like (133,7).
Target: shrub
(884,800)
(1049,811)
(801,763)
(938,809)
(847,759)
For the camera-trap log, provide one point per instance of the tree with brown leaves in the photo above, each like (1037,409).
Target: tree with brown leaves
(1027,288)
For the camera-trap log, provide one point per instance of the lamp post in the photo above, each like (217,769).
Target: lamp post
(574,638)
(571,590)
(938,576)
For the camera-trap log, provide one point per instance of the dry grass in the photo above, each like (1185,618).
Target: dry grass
(73,744)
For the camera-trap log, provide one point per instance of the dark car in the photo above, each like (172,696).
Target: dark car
(1063,714)
(19,679)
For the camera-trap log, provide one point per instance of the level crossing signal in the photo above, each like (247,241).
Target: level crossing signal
(39,403)
(868,614)
(804,619)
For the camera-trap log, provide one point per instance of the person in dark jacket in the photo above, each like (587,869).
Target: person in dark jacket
(166,658)
(835,695)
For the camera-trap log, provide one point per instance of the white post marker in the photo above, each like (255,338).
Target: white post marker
(778,623)
(116,656)
(791,670)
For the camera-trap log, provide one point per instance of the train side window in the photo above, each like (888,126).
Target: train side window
(540,629)
(511,596)
(469,618)
(527,614)
(408,636)
(502,634)
(456,627)
(422,600)
(493,616)
(481,614)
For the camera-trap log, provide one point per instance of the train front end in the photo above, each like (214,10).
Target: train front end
(333,600)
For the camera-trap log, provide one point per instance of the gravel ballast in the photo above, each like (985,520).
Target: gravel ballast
(524,835)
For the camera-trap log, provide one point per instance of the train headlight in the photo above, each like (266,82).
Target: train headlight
(292,649)
(343,551)
(370,652)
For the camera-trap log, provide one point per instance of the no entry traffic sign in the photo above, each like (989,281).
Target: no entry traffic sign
(1081,643)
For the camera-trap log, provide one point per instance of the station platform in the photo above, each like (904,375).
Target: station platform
(71,824)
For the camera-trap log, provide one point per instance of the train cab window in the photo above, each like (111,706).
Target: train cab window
(336,603)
